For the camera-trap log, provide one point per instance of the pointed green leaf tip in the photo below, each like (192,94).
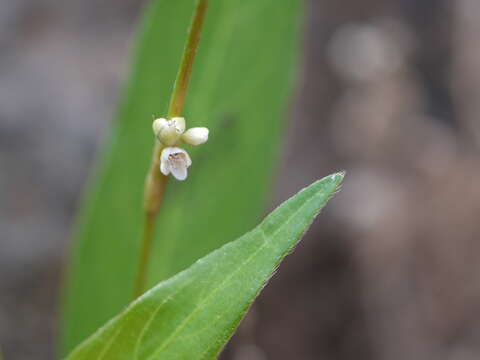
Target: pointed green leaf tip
(193,314)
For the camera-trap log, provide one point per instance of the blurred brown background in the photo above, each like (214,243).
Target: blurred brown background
(388,90)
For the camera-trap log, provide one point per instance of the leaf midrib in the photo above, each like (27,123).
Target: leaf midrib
(224,283)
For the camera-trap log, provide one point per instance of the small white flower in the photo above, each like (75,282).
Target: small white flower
(195,136)
(171,133)
(176,161)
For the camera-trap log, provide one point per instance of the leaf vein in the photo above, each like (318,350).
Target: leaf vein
(152,317)
(199,307)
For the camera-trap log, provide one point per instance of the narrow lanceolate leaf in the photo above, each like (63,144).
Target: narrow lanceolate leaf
(240,89)
(193,314)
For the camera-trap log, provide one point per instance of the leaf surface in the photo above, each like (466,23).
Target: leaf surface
(193,314)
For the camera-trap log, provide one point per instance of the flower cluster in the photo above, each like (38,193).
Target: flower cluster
(171,133)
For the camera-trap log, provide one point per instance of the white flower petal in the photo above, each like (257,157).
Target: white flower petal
(195,136)
(164,169)
(168,136)
(179,124)
(180,173)
(158,125)
(188,161)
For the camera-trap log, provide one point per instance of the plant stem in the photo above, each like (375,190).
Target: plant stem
(183,77)
(156,181)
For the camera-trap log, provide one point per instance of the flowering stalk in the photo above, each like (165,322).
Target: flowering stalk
(165,158)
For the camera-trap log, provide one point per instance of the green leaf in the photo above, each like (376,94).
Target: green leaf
(240,88)
(193,314)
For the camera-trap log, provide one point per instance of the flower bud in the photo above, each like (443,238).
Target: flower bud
(158,125)
(168,132)
(195,136)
